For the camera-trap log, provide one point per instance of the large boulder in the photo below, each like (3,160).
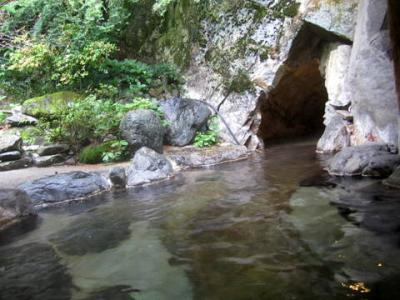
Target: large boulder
(184,117)
(64,187)
(33,271)
(147,166)
(9,142)
(371,159)
(50,104)
(14,206)
(142,128)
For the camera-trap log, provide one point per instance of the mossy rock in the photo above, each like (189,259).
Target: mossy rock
(93,154)
(49,104)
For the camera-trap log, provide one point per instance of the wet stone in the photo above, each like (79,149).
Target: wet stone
(33,272)
(93,232)
(16,164)
(10,156)
(118,177)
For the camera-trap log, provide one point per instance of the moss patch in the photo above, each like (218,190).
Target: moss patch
(48,105)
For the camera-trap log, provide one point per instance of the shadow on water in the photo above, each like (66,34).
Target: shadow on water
(264,228)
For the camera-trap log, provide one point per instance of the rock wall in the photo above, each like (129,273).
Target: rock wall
(273,68)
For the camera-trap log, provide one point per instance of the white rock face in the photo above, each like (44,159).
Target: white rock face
(355,64)
(364,75)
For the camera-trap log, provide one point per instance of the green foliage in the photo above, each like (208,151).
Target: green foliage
(208,138)
(117,151)
(90,120)
(72,45)
(3,117)
(93,154)
(31,134)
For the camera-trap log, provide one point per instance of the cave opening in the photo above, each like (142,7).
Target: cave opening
(294,105)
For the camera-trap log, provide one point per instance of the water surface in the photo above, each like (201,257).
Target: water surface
(243,230)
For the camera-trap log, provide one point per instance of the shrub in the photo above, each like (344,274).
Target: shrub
(209,137)
(93,154)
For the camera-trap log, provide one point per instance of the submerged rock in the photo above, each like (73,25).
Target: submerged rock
(185,117)
(394,179)
(9,142)
(64,187)
(34,272)
(375,160)
(119,292)
(147,166)
(142,128)
(194,157)
(93,232)
(14,206)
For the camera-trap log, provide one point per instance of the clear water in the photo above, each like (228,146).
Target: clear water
(243,230)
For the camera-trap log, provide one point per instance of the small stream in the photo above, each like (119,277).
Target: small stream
(243,230)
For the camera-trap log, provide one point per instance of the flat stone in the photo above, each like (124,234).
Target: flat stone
(19,120)
(46,161)
(9,156)
(22,163)
(9,142)
(371,159)
(65,187)
(14,205)
(147,166)
(52,149)
(192,157)
(33,271)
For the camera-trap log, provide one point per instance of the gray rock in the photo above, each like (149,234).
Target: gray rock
(191,157)
(9,142)
(147,166)
(370,159)
(14,206)
(22,163)
(64,187)
(93,232)
(394,179)
(335,136)
(52,149)
(118,177)
(33,271)
(9,156)
(185,117)
(18,120)
(46,161)
(142,128)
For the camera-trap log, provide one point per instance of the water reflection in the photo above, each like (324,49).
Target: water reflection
(244,230)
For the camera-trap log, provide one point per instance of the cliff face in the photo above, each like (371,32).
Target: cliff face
(284,68)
